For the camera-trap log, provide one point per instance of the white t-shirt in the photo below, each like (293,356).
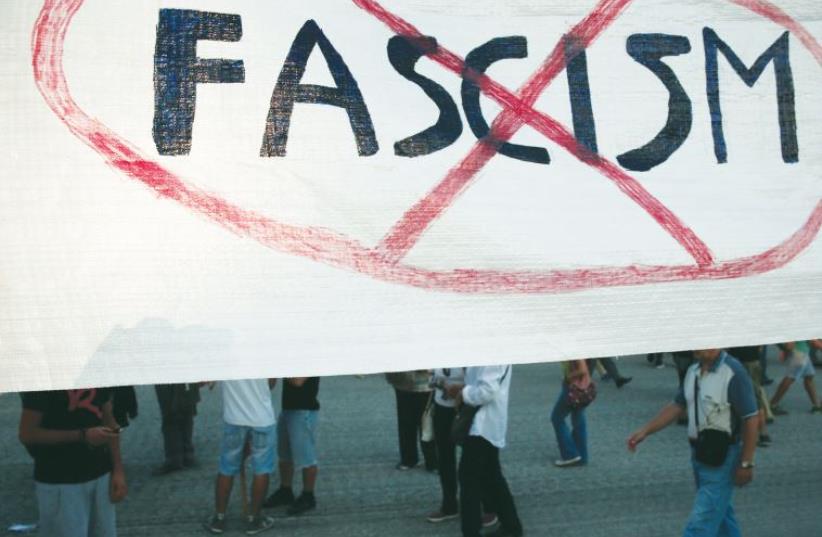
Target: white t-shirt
(454,375)
(247,403)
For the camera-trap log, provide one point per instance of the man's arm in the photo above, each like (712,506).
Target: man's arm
(487,387)
(117,487)
(669,414)
(32,433)
(750,432)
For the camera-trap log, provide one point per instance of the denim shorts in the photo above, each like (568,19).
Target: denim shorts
(799,369)
(297,437)
(262,440)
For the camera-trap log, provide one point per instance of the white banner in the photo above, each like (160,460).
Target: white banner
(211,189)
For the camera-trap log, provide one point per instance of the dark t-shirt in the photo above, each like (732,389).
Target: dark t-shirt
(745,354)
(302,398)
(68,410)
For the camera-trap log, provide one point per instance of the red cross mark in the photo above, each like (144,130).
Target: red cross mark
(518,110)
(83,399)
(384,261)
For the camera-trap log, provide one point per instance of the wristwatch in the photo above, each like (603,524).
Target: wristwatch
(746,465)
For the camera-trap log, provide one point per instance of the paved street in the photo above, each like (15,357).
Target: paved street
(361,494)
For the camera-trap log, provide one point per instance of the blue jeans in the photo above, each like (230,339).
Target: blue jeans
(713,512)
(76,510)
(571,443)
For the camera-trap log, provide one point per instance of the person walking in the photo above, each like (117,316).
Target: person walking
(749,358)
(718,399)
(480,474)
(798,365)
(611,370)
(573,444)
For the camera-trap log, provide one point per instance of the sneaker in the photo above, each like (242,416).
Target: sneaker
(215,524)
(442,516)
(166,468)
(489,520)
(258,524)
(306,502)
(405,467)
(816,409)
(622,381)
(764,441)
(660,365)
(767,382)
(562,463)
(281,496)
(777,410)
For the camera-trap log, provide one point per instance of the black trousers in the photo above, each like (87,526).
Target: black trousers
(177,424)
(481,480)
(410,408)
(446,457)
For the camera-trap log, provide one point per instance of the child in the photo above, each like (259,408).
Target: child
(797,365)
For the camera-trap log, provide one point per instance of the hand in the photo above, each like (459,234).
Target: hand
(743,476)
(117,489)
(635,439)
(454,390)
(97,436)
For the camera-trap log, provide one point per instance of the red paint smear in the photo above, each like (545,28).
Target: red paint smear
(337,250)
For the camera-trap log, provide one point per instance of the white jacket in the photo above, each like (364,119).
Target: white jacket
(487,387)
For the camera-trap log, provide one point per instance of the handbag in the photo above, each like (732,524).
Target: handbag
(711,445)
(464,418)
(579,397)
(427,422)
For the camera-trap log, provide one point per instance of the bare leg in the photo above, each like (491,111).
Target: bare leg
(286,474)
(810,387)
(222,492)
(783,388)
(309,478)
(259,488)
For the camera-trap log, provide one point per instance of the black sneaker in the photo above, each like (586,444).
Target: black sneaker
(622,381)
(258,524)
(306,502)
(281,496)
(215,524)
(166,468)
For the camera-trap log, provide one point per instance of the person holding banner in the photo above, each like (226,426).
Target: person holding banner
(247,414)
(718,399)
(480,474)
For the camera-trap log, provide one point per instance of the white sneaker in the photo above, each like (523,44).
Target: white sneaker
(567,462)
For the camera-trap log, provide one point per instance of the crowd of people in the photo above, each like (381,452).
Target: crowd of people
(458,417)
